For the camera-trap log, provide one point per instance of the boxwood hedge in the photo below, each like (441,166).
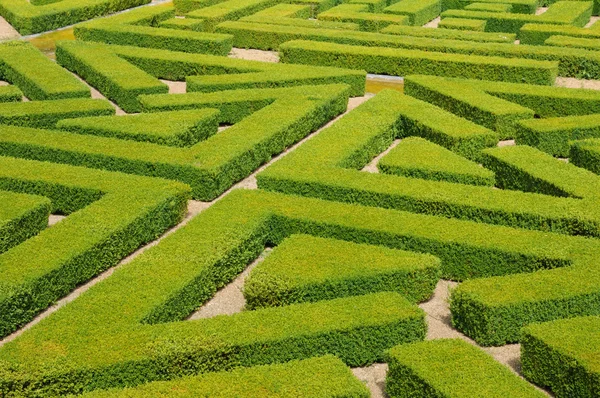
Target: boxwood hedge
(21,217)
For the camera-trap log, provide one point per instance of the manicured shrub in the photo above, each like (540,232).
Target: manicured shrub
(418,158)
(401,30)
(586,154)
(490,7)
(21,217)
(518,6)
(451,368)
(402,62)
(564,356)
(305,268)
(228,10)
(321,377)
(537,34)
(477,25)
(10,94)
(358,13)
(573,42)
(419,11)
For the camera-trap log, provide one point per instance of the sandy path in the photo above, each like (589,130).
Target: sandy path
(7,32)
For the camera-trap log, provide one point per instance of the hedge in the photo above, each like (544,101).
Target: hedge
(418,158)
(537,34)
(176,128)
(28,18)
(401,30)
(109,216)
(573,42)
(295,15)
(402,62)
(307,269)
(10,94)
(564,356)
(490,7)
(21,217)
(501,106)
(451,368)
(140,28)
(228,10)
(358,13)
(573,62)
(576,13)
(267,121)
(45,114)
(586,154)
(477,25)
(36,75)
(554,135)
(518,6)
(419,11)
(321,377)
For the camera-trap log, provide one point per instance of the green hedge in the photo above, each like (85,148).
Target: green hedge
(140,28)
(490,7)
(401,30)
(576,13)
(21,217)
(451,368)
(304,268)
(28,18)
(358,13)
(109,216)
(564,356)
(586,154)
(177,128)
(573,42)
(228,10)
(554,135)
(45,114)
(321,377)
(267,121)
(304,23)
(36,75)
(10,94)
(418,158)
(518,6)
(419,11)
(402,62)
(537,34)
(477,25)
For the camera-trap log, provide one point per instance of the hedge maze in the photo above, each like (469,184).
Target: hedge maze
(233,157)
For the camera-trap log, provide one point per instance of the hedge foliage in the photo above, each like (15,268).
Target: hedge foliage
(320,377)
(402,62)
(176,128)
(573,42)
(564,356)
(141,27)
(109,216)
(418,158)
(518,6)
(305,268)
(266,122)
(358,13)
(537,34)
(228,10)
(586,154)
(477,25)
(419,11)
(451,368)
(10,94)
(21,217)
(401,30)
(490,7)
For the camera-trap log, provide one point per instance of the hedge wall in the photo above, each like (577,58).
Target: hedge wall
(21,217)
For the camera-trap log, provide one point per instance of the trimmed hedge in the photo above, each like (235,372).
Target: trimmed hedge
(573,42)
(21,217)
(419,11)
(477,25)
(449,34)
(307,269)
(228,10)
(36,75)
(554,135)
(418,158)
(576,13)
(321,377)
(304,23)
(586,154)
(267,121)
(45,114)
(451,368)
(358,13)
(109,216)
(177,128)
(518,6)
(490,7)
(10,94)
(140,28)
(537,34)
(402,62)
(28,18)
(564,356)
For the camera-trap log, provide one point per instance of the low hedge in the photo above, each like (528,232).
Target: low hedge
(451,368)
(303,23)
(573,42)
(28,18)
(267,121)
(418,158)
(321,377)
(489,7)
(358,13)
(401,30)
(140,28)
(586,154)
(21,217)
(10,94)
(554,135)
(36,75)
(109,216)
(45,114)
(402,62)
(537,34)
(576,13)
(564,356)
(307,269)
(419,11)
(477,25)
(176,128)
(228,10)
(518,6)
